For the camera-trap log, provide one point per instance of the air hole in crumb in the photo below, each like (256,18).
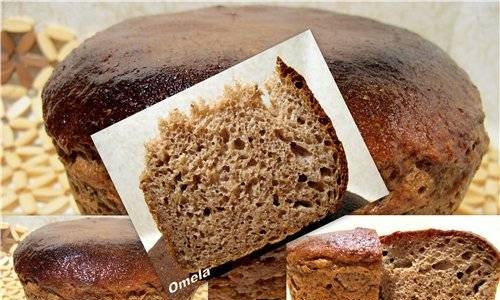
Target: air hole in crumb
(467,255)
(328,287)
(281,135)
(384,253)
(183,187)
(299,150)
(300,120)
(478,285)
(316,185)
(460,275)
(302,203)
(262,131)
(298,84)
(262,231)
(324,171)
(206,211)
(302,178)
(252,162)
(442,265)
(276,200)
(225,168)
(421,189)
(238,144)
(403,263)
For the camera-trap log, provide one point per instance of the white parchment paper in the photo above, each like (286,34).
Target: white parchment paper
(121,145)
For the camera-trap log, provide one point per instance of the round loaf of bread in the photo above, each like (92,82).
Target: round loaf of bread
(92,258)
(418,112)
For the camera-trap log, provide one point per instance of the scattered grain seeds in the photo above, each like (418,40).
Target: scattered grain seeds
(42,77)
(6,173)
(46,46)
(19,180)
(59,33)
(42,180)
(13,91)
(53,206)
(8,199)
(56,163)
(66,50)
(36,107)
(26,42)
(12,159)
(27,203)
(35,161)
(18,108)
(47,193)
(26,138)
(29,150)
(17,24)
(36,171)
(7,136)
(21,123)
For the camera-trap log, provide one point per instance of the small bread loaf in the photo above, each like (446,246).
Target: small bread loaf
(236,176)
(90,258)
(343,265)
(439,265)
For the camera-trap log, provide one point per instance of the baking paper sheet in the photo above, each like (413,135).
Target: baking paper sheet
(121,146)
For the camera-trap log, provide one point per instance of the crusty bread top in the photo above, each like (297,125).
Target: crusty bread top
(397,85)
(352,246)
(404,237)
(104,253)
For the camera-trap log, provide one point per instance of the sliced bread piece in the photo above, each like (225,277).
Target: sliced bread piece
(344,265)
(238,175)
(439,265)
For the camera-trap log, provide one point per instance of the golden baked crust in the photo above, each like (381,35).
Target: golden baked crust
(338,265)
(93,258)
(418,112)
(343,247)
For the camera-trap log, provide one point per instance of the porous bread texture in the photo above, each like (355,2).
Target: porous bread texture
(439,265)
(344,265)
(237,175)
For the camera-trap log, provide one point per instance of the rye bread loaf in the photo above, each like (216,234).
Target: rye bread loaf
(86,259)
(439,265)
(262,277)
(418,112)
(214,180)
(343,265)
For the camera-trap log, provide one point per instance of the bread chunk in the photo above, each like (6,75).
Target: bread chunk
(439,265)
(238,175)
(344,265)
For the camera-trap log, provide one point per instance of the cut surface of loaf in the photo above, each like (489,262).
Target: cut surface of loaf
(238,175)
(344,265)
(438,265)
(262,277)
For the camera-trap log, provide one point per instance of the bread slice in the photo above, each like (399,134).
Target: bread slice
(238,175)
(439,265)
(344,265)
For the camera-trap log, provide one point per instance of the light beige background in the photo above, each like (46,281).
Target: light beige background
(469,32)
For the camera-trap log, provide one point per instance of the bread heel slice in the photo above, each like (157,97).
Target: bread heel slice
(237,175)
(444,264)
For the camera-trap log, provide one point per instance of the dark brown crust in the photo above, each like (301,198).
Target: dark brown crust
(359,246)
(407,236)
(92,256)
(418,112)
